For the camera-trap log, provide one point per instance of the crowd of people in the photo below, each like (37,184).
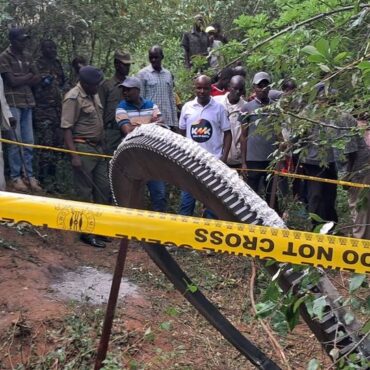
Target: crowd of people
(93,115)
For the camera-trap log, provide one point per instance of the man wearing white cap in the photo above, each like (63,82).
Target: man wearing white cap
(257,141)
(213,56)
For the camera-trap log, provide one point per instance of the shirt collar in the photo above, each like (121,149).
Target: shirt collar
(9,51)
(193,30)
(142,102)
(82,91)
(115,80)
(259,101)
(241,101)
(152,70)
(211,102)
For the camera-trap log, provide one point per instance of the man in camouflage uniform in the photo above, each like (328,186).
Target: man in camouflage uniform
(48,96)
(83,128)
(110,95)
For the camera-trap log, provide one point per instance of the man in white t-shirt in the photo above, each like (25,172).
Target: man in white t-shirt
(233,103)
(204,121)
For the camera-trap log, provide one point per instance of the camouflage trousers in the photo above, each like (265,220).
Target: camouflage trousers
(47,132)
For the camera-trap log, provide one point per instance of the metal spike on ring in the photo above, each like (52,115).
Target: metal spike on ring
(246,206)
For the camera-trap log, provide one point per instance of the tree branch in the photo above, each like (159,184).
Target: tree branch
(348,67)
(265,326)
(293,27)
(314,121)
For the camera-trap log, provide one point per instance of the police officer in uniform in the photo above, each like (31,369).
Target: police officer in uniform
(110,95)
(82,122)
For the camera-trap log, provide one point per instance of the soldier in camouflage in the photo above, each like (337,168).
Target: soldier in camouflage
(47,113)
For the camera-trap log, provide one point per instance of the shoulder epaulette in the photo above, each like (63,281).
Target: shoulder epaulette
(72,94)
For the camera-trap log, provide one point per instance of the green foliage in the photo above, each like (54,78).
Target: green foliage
(110,363)
(356,281)
(333,50)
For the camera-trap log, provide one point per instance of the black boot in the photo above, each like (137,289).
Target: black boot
(92,240)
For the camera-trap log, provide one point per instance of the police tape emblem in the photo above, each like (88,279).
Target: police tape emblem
(76,220)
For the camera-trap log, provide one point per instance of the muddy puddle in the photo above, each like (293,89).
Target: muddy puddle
(89,285)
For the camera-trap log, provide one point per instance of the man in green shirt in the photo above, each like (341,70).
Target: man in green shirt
(110,95)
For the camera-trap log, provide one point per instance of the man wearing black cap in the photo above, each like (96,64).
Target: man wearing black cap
(82,122)
(110,95)
(257,140)
(19,75)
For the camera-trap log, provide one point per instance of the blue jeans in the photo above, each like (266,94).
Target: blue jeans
(157,191)
(188,205)
(24,133)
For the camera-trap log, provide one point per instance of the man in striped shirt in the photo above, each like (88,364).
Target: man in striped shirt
(134,111)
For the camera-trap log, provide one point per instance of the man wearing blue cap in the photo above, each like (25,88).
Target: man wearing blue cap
(82,122)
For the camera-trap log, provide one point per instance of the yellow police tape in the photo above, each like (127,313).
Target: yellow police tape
(282,245)
(55,149)
(284,174)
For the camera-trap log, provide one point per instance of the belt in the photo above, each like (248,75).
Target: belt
(84,141)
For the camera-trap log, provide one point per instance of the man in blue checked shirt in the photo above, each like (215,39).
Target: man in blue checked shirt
(157,86)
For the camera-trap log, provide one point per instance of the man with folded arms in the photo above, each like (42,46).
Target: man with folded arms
(132,112)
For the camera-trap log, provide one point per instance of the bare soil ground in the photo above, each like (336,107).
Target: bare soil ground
(156,329)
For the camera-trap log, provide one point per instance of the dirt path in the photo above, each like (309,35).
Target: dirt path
(155,328)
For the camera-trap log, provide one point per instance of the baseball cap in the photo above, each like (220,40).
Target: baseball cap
(210,29)
(18,34)
(123,56)
(131,82)
(91,75)
(260,76)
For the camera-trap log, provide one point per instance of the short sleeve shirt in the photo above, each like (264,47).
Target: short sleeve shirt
(157,86)
(205,124)
(259,146)
(83,114)
(233,111)
(20,96)
(129,113)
